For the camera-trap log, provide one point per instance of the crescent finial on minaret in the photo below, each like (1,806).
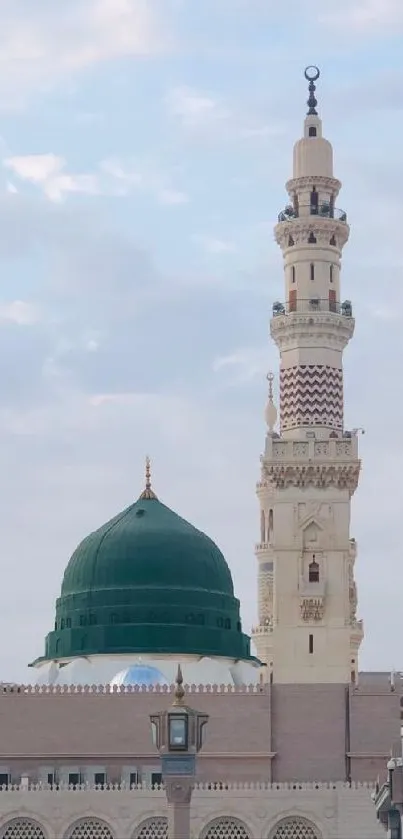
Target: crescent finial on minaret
(270,410)
(312,74)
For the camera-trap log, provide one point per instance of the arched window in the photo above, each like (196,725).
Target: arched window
(313,572)
(270,523)
(154,828)
(312,131)
(333,241)
(331,272)
(314,201)
(226,827)
(293,273)
(312,271)
(295,827)
(22,828)
(290,241)
(312,238)
(262,526)
(90,828)
(68,623)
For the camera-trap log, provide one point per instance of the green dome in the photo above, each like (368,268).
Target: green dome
(147,582)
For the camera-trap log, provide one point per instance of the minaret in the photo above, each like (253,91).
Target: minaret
(308,630)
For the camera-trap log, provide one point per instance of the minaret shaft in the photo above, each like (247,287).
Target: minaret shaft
(307,630)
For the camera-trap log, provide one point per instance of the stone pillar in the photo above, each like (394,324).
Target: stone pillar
(179,794)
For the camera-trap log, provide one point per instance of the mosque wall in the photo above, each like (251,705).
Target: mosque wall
(258,812)
(277,733)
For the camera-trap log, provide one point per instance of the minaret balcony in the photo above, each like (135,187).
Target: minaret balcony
(324,210)
(313,304)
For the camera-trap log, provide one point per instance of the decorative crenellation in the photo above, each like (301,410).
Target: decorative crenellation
(57,690)
(311,395)
(296,327)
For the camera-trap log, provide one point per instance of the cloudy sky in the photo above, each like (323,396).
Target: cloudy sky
(144,150)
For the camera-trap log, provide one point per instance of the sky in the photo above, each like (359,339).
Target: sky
(144,152)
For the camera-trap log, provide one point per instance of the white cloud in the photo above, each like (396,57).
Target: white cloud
(215,245)
(19,312)
(195,110)
(44,42)
(244,364)
(49,173)
(144,178)
(204,114)
(365,15)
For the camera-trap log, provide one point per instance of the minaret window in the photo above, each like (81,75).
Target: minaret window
(312,238)
(312,270)
(293,274)
(333,241)
(332,300)
(314,202)
(331,272)
(292,300)
(290,241)
(313,572)
(312,131)
(310,645)
(262,526)
(270,524)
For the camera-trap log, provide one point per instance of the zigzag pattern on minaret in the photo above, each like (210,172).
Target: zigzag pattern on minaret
(311,394)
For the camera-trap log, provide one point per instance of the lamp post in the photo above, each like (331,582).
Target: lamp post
(178,737)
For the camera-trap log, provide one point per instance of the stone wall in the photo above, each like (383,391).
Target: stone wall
(254,811)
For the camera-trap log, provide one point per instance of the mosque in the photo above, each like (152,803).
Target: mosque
(298,736)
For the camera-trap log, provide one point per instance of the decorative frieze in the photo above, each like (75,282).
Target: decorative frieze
(312,609)
(341,476)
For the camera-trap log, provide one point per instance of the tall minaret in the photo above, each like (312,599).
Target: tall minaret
(308,630)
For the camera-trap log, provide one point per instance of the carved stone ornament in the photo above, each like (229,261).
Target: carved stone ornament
(341,476)
(312,609)
(325,184)
(178,791)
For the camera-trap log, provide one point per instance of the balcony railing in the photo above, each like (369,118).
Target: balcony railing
(313,304)
(324,210)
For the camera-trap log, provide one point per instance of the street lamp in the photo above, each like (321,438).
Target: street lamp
(178,736)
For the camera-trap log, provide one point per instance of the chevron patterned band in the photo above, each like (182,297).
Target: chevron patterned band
(311,394)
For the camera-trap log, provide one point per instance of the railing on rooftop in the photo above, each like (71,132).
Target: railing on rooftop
(202,786)
(313,304)
(323,210)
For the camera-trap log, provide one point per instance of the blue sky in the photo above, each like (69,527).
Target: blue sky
(144,151)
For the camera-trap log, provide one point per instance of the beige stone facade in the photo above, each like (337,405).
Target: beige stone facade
(273,752)
(334,811)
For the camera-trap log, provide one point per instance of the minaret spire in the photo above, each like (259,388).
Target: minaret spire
(312,74)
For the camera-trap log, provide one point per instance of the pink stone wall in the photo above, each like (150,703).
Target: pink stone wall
(278,733)
(309,733)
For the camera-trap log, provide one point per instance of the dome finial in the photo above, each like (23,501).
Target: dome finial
(147,491)
(179,689)
(312,74)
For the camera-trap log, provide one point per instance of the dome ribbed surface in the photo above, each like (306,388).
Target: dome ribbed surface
(147,581)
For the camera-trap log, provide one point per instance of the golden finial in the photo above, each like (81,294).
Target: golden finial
(179,689)
(148,492)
